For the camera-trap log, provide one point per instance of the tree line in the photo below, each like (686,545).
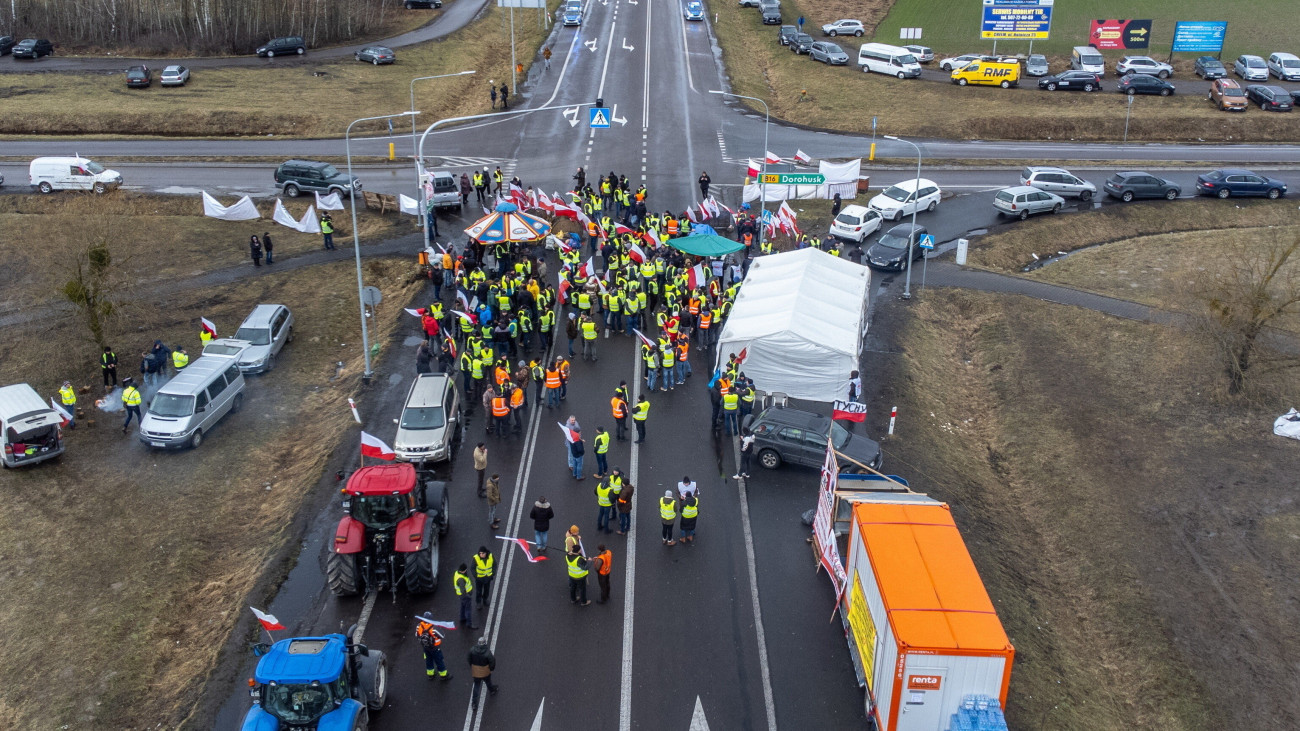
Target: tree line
(192,26)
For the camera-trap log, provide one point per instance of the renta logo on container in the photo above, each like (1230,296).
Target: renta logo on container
(923,682)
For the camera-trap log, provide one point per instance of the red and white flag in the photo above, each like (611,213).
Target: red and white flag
(544,202)
(412,311)
(752,170)
(523,545)
(588,269)
(532,198)
(620,229)
(801,157)
(517,196)
(772,158)
(570,435)
(651,238)
(436,623)
(64,416)
(710,206)
(636,253)
(849,411)
(696,276)
(563,289)
(692,214)
(644,339)
(207,326)
(465,316)
(374,447)
(718,206)
(744,353)
(581,216)
(463,298)
(269,622)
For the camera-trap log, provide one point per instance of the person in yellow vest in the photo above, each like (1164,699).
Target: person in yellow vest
(731,412)
(131,401)
(601,446)
(464,590)
(668,514)
(484,568)
(607,491)
(180,358)
(480,185)
(690,511)
(588,328)
(68,396)
(577,566)
(327,230)
(639,415)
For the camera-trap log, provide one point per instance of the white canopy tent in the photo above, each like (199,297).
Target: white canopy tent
(800,315)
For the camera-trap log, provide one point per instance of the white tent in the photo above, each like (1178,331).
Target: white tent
(800,315)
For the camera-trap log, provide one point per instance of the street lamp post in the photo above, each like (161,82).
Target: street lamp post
(425,221)
(911,236)
(356,237)
(762,187)
(419,148)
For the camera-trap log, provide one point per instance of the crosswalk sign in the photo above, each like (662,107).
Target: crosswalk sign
(599,118)
(927,241)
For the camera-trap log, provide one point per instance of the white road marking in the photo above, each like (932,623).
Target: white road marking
(645,84)
(563,70)
(686,55)
(591,45)
(600,92)
(768,701)
(629,578)
(364,619)
(627,47)
(537,720)
(613,116)
(698,721)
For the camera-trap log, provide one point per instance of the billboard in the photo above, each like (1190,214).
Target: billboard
(1129,34)
(1199,36)
(1017,19)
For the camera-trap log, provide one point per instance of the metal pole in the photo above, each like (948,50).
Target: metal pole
(514,76)
(1128,111)
(419,173)
(762,186)
(911,236)
(419,150)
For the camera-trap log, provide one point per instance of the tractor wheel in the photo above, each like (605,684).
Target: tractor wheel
(421,569)
(374,679)
(342,575)
(436,497)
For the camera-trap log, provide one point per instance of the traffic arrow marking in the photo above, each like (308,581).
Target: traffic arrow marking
(698,722)
(571,114)
(537,720)
(613,116)
(627,47)
(591,45)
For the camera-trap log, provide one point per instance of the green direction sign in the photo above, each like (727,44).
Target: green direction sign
(793,179)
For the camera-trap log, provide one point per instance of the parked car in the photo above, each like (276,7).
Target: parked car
(1250,68)
(1059,181)
(693,10)
(186,408)
(892,248)
(1135,184)
(139,77)
(174,76)
(48,174)
(985,72)
(749,3)
(801,43)
(1270,98)
(571,13)
(376,55)
(907,196)
(770,12)
(446,192)
(1023,201)
(1229,182)
(1284,66)
(956,62)
(1227,94)
(259,339)
(923,54)
(30,431)
(430,419)
(1143,65)
(828,53)
(1072,81)
(283,46)
(844,27)
(32,48)
(1036,65)
(6,44)
(296,176)
(855,223)
(785,33)
(1143,84)
(422,4)
(1209,67)
(799,437)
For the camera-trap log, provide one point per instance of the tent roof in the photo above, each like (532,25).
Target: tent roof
(705,245)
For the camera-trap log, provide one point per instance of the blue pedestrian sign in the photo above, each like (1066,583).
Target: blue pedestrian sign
(768,217)
(599,118)
(927,241)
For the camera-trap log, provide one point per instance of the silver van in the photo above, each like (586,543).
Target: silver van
(31,429)
(1087,58)
(192,402)
(429,420)
(258,340)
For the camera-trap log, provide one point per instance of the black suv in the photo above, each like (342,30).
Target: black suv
(6,44)
(413,4)
(33,48)
(799,437)
(283,47)
(296,176)
(786,33)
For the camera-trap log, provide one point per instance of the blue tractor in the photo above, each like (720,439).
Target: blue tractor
(326,683)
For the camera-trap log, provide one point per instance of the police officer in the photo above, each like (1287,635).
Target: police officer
(131,400)
(431,640)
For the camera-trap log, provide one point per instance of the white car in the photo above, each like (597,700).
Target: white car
(1143,65)
(904,198)
(1284,66)
(174,76)
(949,64)
(855,223)
(844,28)
(1250,68)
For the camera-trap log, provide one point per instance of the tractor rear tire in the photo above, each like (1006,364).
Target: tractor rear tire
(342,575)
(374,679)
(421,569)
(435,498)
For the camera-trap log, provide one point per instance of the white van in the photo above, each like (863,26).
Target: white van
(49,174)
(1087,58)
(192,402)
(891,60)
(31,429)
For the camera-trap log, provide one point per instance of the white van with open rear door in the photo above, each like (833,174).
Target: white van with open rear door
(49,174)
(32,430)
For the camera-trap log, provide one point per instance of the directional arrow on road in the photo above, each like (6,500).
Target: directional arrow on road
(627,47)
(613,116)
(591,45)
(571,114)
(537,720)
(698,722)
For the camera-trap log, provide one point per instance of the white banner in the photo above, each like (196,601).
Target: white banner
(243,210)
(408,204)
(824,522)
(308,224)
(841,172)
(329,202)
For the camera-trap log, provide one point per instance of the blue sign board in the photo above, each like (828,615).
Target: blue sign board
(927,241)
(599,118)
(768,217)
(1197,36)
(1017,19)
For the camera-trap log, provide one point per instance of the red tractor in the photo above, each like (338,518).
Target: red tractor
(390,533)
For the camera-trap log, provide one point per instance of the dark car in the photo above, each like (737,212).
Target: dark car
(6,44)
(425,4)
(801,43)
(33,48)
(296,176)
(139,77)
(786,32)
(890,250)
(1072,80)
(799,437)
(1129,185)
(1143,84)
(1226,182)
(376,55)
(1270,98)
(770,11)
(283,47)
(1209,67)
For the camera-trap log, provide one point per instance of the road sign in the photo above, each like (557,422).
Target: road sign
(1017,19)
(1196,36)
(927,241)
(371,296)
(599,118)
(792,179)
(768,216)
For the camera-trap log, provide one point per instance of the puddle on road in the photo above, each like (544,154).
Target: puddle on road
(412,341)
(394,379)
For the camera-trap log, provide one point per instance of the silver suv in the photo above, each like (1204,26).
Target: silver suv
(259,339)
(1059,181)
(1143,65)
(1022,201)
(429,421)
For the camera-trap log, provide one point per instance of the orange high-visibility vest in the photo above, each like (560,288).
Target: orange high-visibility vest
(499,407)
(552,378)
(724,385)
(695,306)
(618,407)
(517,398)
(706,319)
(502,375)
(672,226)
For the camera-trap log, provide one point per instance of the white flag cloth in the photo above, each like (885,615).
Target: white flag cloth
(329,202)
(309,224)
(408,205)
(243,210)
(802,157)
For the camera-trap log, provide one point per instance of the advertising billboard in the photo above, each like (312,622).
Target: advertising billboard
(1017,19)
(1127,34)
(1199,36)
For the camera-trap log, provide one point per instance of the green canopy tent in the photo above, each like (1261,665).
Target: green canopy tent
(705,245)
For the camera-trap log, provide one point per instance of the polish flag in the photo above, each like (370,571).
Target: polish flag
(644,339)
(588,269)
(532,198)
(517,196)
(621,229)
(752,170)
(744,353)
(771,158)
(849,411)
(207,326)
(465,316)
(570,435)
(651,238)
(269,622)
(563,289)
(563,210)
(718,206)
(436,623)
(450,345)
(691,214)
(523,545)
(710,206)
(636,253)
(544,201)
(410,311)
(462,298)
(696,276)
(373,447)
(64,417)
(801,157)
(584,220)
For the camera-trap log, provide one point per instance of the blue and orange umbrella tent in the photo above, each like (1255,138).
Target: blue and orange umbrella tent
(508,223)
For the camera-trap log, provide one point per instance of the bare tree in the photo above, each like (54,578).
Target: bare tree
(94,288)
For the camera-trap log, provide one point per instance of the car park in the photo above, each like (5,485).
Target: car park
(188,406)
(259,339)
(376,55)
(956,62)
(1143,84)
(30,430)
(1022,201)
(799,437)
(855,223)
(571,13)
(770,12)
(1227,94)
(1250,68)
(801,43)
(1087,58)
(1270,98)
(1284,66)
(1059,181)
(828,53)
(1235,182)
(430,419)
(296,176)
(1143,65)
(923,54)
(1127,186)
(1209,67)
(891,250)
(174,75)
(422,4)
(6,44)
(48,174)
(1036,65)
(786,33)
(139,77)
(890,60)
(1005,74)
(844,27)
(905,198)
(693,10)
(1071,81)
(32,48)
(283,46)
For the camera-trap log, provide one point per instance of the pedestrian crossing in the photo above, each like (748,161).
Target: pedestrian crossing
(474,162)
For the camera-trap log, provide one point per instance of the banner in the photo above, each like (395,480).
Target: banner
(1127,34)
(849,411)
(828,553)
(1199,36)
(1017,19)
(242,210)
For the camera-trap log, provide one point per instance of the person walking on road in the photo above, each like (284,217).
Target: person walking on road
(577,579)
(600,445)
(668,514)
(480,467)
(603,563)
(464,590)
(588,329)
(484,567)
(546,56)
(690,511)
(493,500)
(481,664)
(639,416)
(624,506)
(327,231)
(746,454)
(255,250)
(704,184)
(431,641)
(131,401)
(731,412)
(553,384)
(541,515)
(576,451)
(686,488)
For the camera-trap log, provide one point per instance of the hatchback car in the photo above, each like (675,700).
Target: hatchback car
(571,13)
(1143,65)
(855,223)
(284,46)
(1059,181)
(828,53)
(139,77)
(1036,65)
(907,196)
(799,437)
(693,11)
(956,62)
(1285,66)
(430,420)
(1269,98)
(1232,182)
(174,76)
(1129,185)
(32,48)
(1023,201)
(376,55)
(1250,68)
(259,339)
(890,252)
(423,4)
(801,43)
(844,28)
(1227,95)
(1143,84)
(296,176)
(1072,81)
(6,44)
(1209,67)
(923,54)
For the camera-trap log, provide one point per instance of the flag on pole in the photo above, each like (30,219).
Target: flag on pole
(692,214)
(544,202)
(465,316)
(772,158)
(427,619)
(517,196)
(269,622)
(744,353)
(563,210)
(786,215)
(643,338)
(412,311)
(64,417)
(532,198)
(207,326)
(849,411)
(801,157)
(588,269)
(373,447)
(462,298)
(563,289)
(450,345)
(752,169)
(570,435)
(696,276)
(719,206)
(523,545)
(636,253)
